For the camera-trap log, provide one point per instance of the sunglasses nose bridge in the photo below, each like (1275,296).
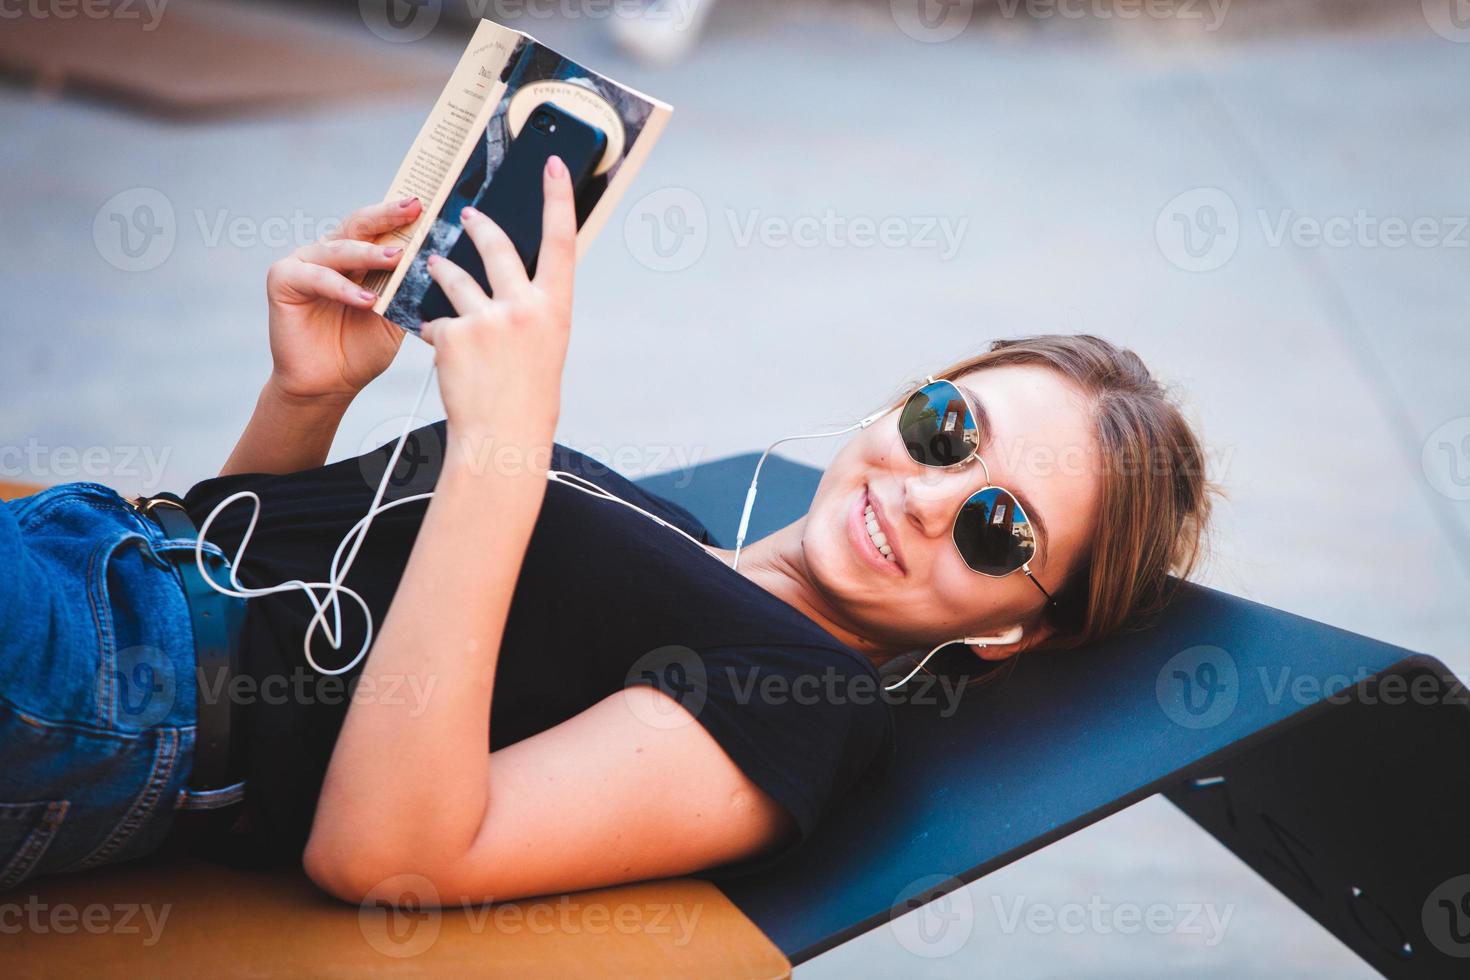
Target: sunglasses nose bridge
(984,469)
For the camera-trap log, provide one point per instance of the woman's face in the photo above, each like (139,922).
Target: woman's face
(1040,445)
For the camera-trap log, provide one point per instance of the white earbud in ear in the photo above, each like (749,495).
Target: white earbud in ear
(997,639)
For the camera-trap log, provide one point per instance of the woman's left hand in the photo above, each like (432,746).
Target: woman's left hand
(326,341)
(500,360)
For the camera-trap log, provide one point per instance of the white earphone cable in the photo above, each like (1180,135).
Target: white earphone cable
(754,480)
(920,665)
(332,589)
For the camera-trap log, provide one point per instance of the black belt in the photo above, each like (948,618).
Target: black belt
(216,620)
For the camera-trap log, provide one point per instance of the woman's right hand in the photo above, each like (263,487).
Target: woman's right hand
(326,341)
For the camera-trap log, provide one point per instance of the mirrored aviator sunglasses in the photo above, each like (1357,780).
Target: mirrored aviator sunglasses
(992,531)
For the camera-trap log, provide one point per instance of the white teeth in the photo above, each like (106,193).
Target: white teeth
(880,540)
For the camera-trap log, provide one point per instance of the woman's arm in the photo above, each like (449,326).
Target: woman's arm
(326,342)
(403,788)
(604,798)
(286,433)
(410,790)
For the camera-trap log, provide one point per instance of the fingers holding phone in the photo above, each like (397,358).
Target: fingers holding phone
(500,358)
(556,260)
(515,198)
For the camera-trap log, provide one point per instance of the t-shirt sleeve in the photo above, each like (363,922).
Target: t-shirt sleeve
(806,724)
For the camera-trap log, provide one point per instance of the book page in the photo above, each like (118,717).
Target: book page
(437,153)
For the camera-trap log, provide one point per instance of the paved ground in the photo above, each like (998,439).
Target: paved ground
(1329,379)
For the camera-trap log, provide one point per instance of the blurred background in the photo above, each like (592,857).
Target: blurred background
(1266,199)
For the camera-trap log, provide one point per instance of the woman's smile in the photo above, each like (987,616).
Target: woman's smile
(863,539)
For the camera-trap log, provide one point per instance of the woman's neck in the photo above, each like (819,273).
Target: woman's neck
(777,564)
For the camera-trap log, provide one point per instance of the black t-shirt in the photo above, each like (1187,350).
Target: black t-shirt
(605,599)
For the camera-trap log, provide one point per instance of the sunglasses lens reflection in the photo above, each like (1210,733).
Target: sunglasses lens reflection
(937,427)
(993,533)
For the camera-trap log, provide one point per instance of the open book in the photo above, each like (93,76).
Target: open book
(501,77)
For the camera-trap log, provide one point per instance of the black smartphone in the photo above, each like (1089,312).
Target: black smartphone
(514,199)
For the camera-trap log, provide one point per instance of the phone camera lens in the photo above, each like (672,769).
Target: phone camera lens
(542,121)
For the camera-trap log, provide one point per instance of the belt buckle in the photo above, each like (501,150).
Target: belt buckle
(146,504)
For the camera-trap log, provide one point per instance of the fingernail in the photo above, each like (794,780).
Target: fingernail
(367,295)
(433,259)
(407,202)
(392,251)
(554,167)
(468,213)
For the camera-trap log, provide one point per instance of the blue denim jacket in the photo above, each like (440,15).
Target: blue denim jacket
(97,684)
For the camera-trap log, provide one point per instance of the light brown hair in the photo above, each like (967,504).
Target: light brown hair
(1156,497)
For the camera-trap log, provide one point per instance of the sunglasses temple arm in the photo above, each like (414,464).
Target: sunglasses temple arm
(1049,599)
